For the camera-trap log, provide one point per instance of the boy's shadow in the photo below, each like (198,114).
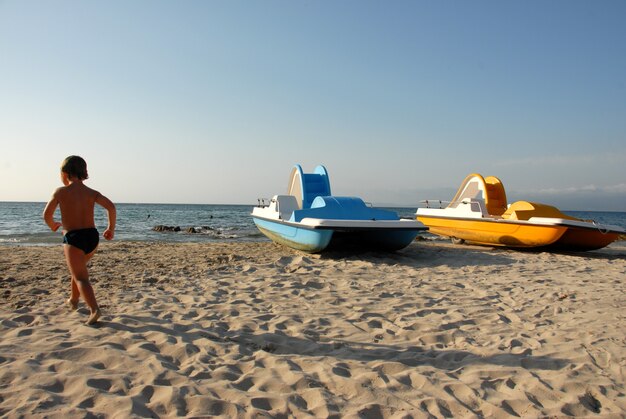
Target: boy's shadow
(411,356)
(282,344)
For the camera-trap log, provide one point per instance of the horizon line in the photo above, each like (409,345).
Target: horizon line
(382,205)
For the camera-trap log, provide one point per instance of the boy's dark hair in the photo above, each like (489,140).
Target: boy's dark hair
(75,166)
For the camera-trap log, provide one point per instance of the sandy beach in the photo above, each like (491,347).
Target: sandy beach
(258,330)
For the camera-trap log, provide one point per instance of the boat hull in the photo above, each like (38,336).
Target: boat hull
(494,233)
(579,239)
(315,240)
(307,240)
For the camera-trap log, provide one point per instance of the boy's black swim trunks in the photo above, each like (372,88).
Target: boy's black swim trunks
(86,239)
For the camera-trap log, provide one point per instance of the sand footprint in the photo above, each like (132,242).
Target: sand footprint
(283,261)
(317,403)
(342,370)
(227,373)
(25,318)
(244,384)
(202,406)
(437,408)
(464,394)
(100,383)
(268,403)
(54,386)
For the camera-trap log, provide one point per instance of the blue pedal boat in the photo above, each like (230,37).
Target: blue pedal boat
(310,219)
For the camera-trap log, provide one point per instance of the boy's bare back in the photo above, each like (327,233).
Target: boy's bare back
(77,203)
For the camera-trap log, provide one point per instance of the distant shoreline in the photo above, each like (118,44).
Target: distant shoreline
(407,207)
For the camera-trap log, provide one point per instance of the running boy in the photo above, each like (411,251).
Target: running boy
(80,237)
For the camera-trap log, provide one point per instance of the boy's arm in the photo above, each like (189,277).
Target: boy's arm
(109,206)
(48,213)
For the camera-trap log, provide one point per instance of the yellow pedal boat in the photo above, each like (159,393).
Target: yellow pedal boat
(479,214)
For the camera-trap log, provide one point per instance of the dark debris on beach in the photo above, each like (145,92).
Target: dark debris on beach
(176,229)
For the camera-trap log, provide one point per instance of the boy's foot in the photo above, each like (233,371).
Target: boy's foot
(93,317)
(72,305)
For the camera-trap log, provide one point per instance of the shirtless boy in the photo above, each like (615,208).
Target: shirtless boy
(80,237)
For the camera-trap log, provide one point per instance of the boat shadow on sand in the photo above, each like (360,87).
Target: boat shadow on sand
(607,253)
(427,254)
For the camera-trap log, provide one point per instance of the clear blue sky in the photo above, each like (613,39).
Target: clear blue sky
(214,101)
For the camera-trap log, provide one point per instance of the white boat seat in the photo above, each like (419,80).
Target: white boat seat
(287,204)
(478,205)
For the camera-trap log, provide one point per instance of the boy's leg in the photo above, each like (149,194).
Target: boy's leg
(75,293)
(72,302)
(95,315)
(77,264)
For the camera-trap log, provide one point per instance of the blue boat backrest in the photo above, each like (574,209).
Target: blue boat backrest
(307,186)
(342,208)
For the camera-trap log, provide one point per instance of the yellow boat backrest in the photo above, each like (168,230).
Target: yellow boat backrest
(524,210)
(489,189)
(496,197)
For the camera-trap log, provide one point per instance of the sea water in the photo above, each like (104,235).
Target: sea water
(21,223)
